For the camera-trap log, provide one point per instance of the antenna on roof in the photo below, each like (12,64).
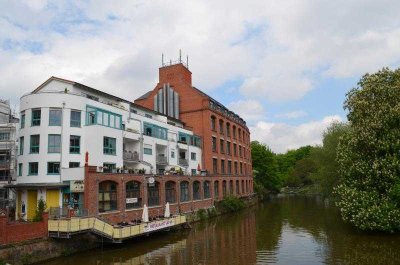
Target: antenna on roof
(162,59)
(180,56)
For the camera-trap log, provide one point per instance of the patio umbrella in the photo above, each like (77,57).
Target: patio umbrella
(198,167)
(167,211)
(145,214)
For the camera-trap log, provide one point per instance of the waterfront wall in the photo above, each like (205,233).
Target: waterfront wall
(211,189)
(14,232)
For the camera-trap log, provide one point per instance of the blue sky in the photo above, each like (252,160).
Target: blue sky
(284,66)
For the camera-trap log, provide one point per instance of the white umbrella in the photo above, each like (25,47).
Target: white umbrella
(167,213)
(145,214)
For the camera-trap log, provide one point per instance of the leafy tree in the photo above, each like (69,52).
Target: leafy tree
(300,175)
(369,154)
(327,174)
(265,167)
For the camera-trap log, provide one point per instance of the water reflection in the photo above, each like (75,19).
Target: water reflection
(285,230)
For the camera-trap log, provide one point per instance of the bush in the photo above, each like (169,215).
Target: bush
(40,210)
(231,204)
(212,212)
(202,214)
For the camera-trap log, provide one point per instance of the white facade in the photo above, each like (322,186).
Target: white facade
(134,136)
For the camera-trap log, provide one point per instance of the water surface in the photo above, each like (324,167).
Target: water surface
(284,230)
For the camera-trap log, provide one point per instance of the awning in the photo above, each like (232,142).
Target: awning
(36,185)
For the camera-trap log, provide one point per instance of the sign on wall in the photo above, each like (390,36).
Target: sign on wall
(159,225)
(76,186)
(131,200)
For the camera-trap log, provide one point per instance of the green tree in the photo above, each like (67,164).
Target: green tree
(369,154)
(327,174)
(265,167)
(301,173)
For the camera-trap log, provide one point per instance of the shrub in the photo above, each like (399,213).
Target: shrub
(212,212)
(202,214)
(40,210)
(231,204)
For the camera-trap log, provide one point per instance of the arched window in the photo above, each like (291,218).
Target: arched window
(107,196)
(224,188)
(216,189)
(206,188)
(231,187)
(234,131)
(133,198)
(196,190)
(228,129)
(170,192)
(185,191)
(213,125)
(237,187)
(242,186)
(221,126)
(153,193)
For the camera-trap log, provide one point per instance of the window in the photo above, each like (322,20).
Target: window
(193,156)
(206,189)
(4,136)
(172,154)
(222,166)
(55,117)
(184,138)
(241,168)
(228,148)
(214,144)
(74,164)
(103,117)
(185,191)
(224,188)
(221,126)
(53,168)
(216,189)
(22,124)
(153,192)
(170,192)
(240,134)
(155,131)
(108,167)
(228,130)
(36,113)
(231,187)
(33,168)
(75,118)
(109,146)
(236,167)
(196,191)
(21,145)
(147,151)
(215,166)
(234,131)
(75,144)
(221,146)
(229,167)
(194,172)
(133,198)
(54,144)
(35,143)
(20,169)
(240,150)
(213,126)
(107,196)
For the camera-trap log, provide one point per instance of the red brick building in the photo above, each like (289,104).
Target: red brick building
(226,138)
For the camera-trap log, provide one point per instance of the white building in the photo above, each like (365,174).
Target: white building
(7,151)
(61,120)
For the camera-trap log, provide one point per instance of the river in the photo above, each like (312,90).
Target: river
(283,230)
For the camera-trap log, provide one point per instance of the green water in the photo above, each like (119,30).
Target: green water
(284,230)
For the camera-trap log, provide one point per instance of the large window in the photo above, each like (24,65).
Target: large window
(35,143)
(228,130)
(234,149)
(193,156)
(185,191)
(222,166)
(53,168)
(228,148)
(75,118)
(229,167)
(147,151)
(103,117)
(54,144)
(170,192)
(36,113)
(214,144)
(107,196)
(184,137)
(230,187)
(133,198)
(224,188)
(33,168)
(221,126)
(109,146)
(22,121)
(236,167)
(4,136)
(234,131)
(213,126)
(206,189)
(196,191)
(55,117)
(237,187)
(154,131)
(215,166)
(153,192)
(216,189)
(21,145)
(74,164)
(20,169)
(74,144)
(221,146)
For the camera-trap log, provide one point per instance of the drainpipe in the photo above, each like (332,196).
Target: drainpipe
(62,138)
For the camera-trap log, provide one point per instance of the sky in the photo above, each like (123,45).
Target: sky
(284,66)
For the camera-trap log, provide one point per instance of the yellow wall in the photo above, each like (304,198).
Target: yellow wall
(52,198)
(32,204)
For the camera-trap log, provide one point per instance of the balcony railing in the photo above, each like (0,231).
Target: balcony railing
(161,160)
(131,156)
(183,162)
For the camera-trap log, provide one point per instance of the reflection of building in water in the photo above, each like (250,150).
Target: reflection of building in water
(230,240)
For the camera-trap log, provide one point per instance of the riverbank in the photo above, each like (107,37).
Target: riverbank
(314,189)
(40,250)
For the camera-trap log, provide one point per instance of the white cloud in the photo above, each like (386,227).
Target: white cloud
(249,110)
(292,115)
(281,137)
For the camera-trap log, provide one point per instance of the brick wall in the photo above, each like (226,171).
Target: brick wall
(93,179)
(14,232)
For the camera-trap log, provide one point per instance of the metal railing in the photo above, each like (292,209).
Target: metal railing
(162,160)
(131,156)
(65,212)
(183,162)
